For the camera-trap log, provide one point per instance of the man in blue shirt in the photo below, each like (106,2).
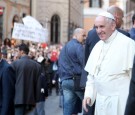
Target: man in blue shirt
(71,64)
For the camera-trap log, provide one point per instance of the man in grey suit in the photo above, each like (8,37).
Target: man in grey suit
(27,76)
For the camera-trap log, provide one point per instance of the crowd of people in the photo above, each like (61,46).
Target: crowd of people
(95,71)
(28,74)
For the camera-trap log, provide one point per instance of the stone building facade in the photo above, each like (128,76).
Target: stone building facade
(60,17)
(93,7)
(8,10)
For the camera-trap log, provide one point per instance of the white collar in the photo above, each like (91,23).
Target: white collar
(111,37)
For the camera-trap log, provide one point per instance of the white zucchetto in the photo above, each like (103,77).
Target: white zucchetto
(107,14)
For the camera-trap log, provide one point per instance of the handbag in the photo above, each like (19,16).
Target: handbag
(76,78)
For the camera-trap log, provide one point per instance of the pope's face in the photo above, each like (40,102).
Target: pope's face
(103,27)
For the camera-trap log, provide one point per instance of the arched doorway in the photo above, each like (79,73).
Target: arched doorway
(55,29)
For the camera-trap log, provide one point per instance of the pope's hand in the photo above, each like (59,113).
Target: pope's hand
(86,101)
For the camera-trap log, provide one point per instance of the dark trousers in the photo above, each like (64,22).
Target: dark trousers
(10,112)
(25,110)
(91,110)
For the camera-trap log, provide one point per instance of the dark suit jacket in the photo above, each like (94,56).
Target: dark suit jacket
(132,33)
(27,76)
(7,88)
(91,40)
(123,32)
(130,106)
(42,89)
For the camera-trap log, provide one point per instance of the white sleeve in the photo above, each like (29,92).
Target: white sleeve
(90,90)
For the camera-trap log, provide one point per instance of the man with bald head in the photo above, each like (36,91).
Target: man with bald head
(71,64)
(109,68)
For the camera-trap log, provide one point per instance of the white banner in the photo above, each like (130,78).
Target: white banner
(34,34)
(30,21)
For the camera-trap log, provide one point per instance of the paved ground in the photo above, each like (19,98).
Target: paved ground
(52,105)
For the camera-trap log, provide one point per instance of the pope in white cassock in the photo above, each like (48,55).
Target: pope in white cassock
(109,68)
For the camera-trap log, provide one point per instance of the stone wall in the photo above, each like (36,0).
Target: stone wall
(46,9)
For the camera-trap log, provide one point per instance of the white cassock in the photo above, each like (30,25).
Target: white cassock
(109,67)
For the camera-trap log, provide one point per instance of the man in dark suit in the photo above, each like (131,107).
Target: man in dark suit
(93,38)
(27,76)
(132,30)
(7,88)
(130,106)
